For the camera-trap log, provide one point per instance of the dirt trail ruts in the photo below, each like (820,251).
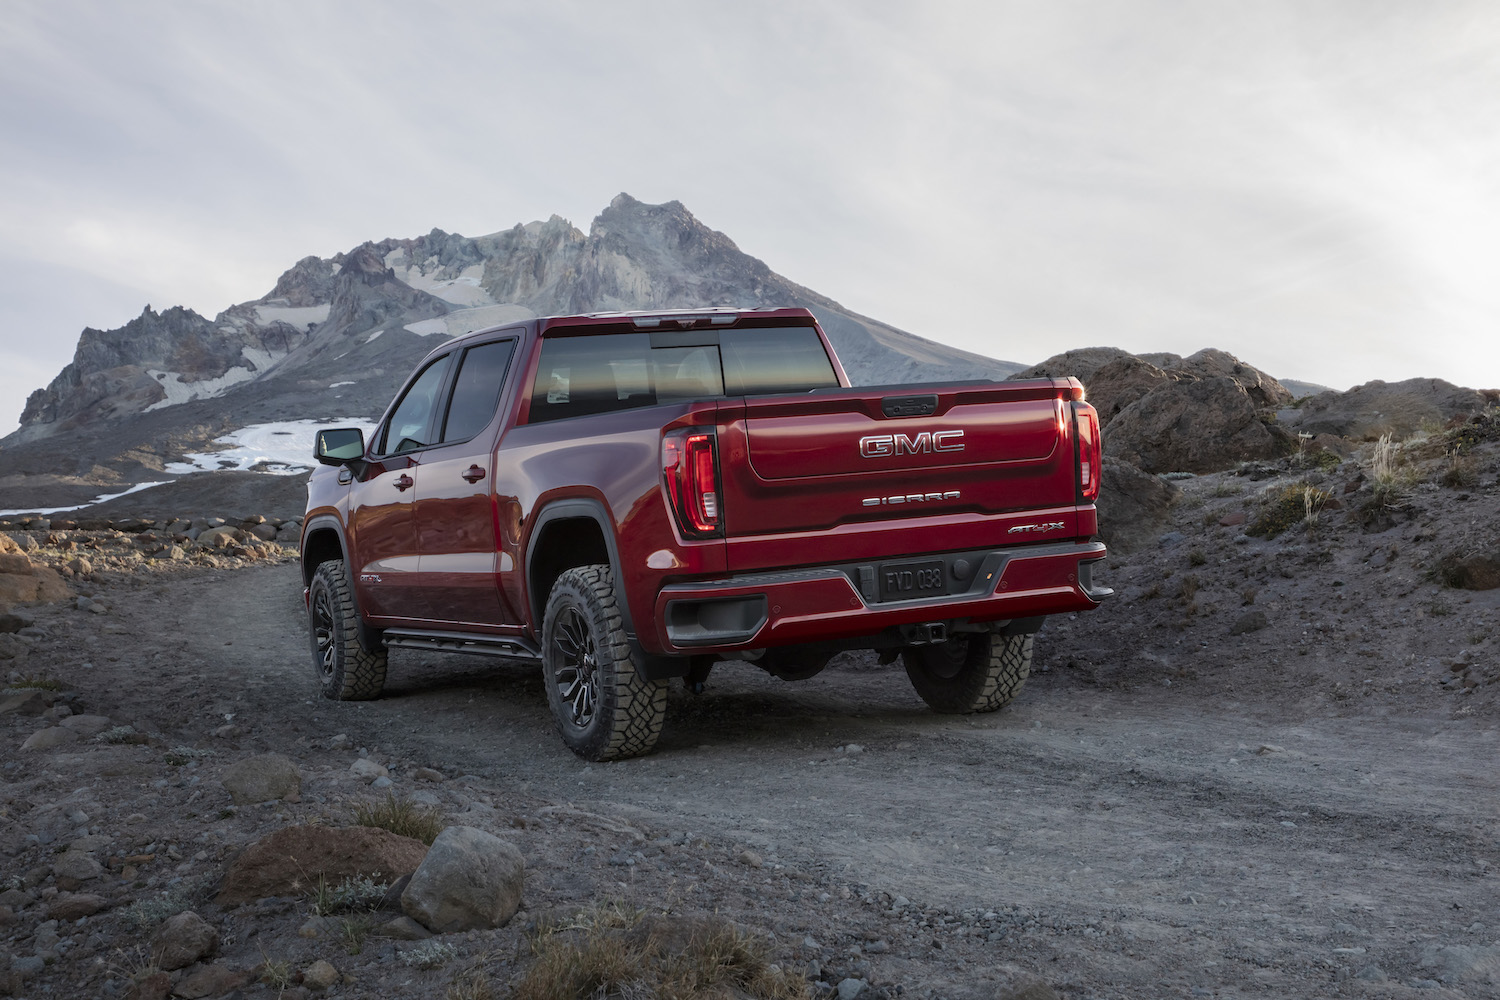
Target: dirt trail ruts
(1125,843)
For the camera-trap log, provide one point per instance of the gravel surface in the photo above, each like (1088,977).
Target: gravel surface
(1180,803)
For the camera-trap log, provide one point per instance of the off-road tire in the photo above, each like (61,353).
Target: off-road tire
(977,673)
(605,707)
(345,670)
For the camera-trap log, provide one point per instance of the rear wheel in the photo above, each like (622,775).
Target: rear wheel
(975,673)
(346,671)
(606,708)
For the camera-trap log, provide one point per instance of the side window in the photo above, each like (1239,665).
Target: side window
(589,374)
(476,391)
(407,428)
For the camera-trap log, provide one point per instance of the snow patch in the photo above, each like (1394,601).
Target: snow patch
(462,291)
(179,391)
(304,318)
(338,384)
(429,327)
(468,320)
(371,338)
(281,448)
(98,499)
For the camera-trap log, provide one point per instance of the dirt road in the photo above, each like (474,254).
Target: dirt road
(1114,843)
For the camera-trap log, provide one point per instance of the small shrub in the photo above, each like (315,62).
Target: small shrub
(430,954)
(402,817)
(37,682)
(1197,558)
(1189,588)
(1383,460)
(1226,488)
(352,894)
(119,734)
(275,973)
(180,756)
(353,931)
(1287,506)
(1247,596)
(616,953)
(472,984)
(1460,473)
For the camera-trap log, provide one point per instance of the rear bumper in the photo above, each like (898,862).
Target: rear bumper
(840,602)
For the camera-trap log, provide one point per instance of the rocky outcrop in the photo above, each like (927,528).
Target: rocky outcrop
(1080,363)
(367,294)
(1133,506)
(1202,426)
(1121,382)
(1398,408)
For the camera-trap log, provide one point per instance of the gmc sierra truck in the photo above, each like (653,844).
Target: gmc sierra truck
(628,498)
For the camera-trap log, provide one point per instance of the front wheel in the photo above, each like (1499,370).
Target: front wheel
(976,673)
(346,671)
(606,708)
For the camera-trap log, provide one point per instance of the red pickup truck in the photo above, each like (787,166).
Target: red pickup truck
(631,497)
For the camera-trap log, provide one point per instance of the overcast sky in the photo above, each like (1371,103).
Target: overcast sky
(1313,186)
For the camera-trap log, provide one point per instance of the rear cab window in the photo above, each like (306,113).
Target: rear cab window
(589,373)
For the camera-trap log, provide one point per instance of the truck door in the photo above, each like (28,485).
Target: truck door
(462,554)
(382,502)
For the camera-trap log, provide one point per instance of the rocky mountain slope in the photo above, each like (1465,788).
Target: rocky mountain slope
(360,320)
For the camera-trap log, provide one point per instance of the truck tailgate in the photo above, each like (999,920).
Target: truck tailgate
(898,461)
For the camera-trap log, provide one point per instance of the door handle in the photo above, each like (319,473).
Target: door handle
(404,482)
(472,474)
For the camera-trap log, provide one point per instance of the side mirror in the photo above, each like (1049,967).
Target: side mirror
(339,446)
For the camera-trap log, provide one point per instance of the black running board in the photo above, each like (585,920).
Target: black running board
(513,647)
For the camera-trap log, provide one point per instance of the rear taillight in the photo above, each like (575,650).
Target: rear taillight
(690,468)
(1090,461)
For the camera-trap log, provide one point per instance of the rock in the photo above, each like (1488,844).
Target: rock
(320,975)
(24,703)
(403,929)
(427,774)
(210,981)
(1372,973)
(1263,390)
(1203,426)
(1399,408)
(262,778)
(16,562)
(1250,621)
(1122,382)
(77,865)
(80,565)
(750,859)
(368,769)
(1080,363)
(35,585)
(13,623)
(1133,506)
(46,739)
(73,905)
(265,532)
(218,538)
(1480,571)
(87,726)
(1231,520)
(290,861)
(469,879)
(183,939)
(848,989)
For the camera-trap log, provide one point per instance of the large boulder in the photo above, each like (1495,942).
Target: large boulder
(1133,506)
(291,861)
(1080,363)
(1375,408)
(469,879)
(1210,362)
(22,582)
(185,938)
(1123,381)
(1203,426)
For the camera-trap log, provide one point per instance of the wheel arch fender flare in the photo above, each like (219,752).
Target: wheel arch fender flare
(572,509)
(369,637)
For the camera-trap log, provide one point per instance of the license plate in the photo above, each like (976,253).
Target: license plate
(905,581)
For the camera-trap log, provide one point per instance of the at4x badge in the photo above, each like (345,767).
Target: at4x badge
(1022,529)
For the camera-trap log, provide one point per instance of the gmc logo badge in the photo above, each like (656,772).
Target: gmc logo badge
(888,445)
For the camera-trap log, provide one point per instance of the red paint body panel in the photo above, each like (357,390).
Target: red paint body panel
(806,481)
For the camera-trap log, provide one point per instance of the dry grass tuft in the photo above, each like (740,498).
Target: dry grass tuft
(402,817)
(613,952)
